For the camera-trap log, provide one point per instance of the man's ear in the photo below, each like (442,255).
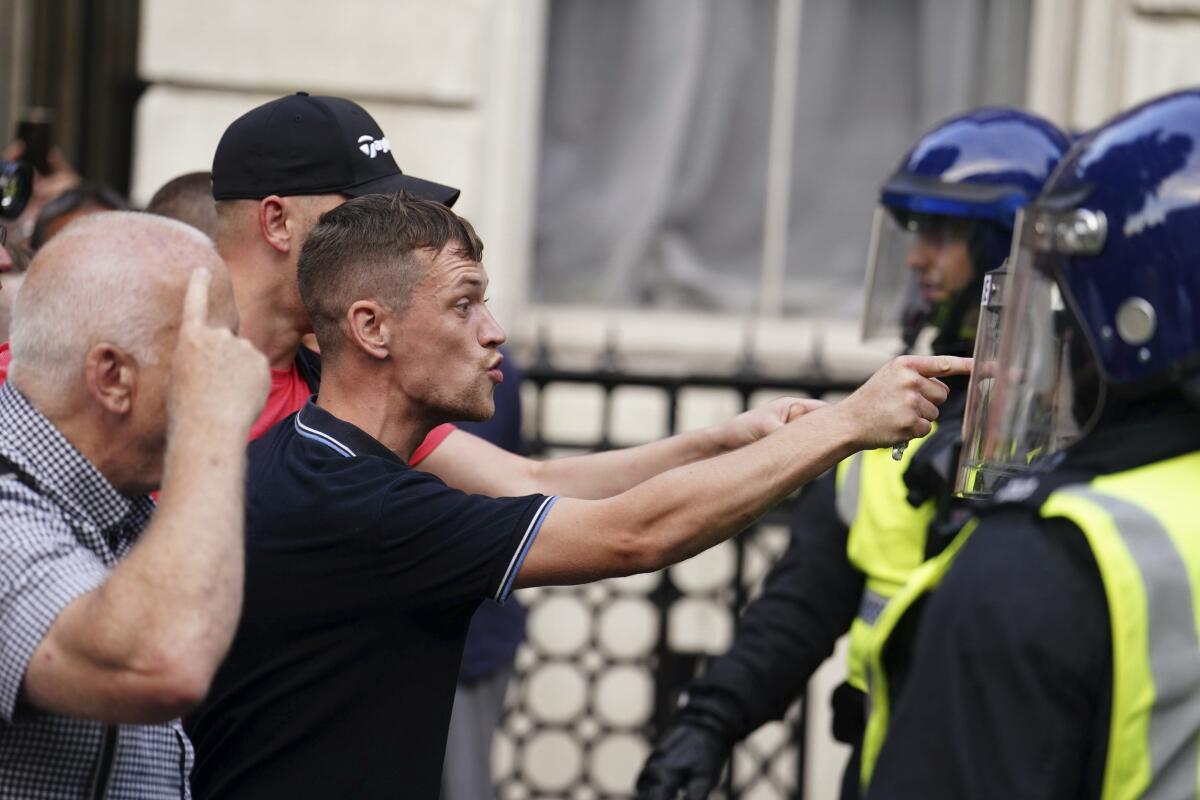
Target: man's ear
(369,328)
(273,223)
(111,376)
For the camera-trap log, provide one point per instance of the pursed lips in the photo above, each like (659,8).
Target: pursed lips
(493,369)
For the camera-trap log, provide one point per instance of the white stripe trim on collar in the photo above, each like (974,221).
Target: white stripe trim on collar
(322,437)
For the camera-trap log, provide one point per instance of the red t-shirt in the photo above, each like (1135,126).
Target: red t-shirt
(289,392)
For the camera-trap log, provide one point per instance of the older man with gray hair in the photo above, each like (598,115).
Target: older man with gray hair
(125,375)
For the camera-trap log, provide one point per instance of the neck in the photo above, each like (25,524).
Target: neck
(96,435)
(268,313)
(366,401)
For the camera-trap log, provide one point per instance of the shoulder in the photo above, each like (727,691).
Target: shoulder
(20,502)
(1013,545)
(294,480)
(1023,580)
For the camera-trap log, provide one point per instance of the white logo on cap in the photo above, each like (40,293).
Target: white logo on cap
(370,146)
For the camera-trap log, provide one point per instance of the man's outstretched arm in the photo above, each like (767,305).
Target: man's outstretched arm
(471,464)
(686,510)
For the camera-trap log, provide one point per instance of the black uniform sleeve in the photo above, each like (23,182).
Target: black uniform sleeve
(1009,687)
(809,600)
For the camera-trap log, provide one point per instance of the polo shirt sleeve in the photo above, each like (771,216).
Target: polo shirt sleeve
(43,568)
(442,546)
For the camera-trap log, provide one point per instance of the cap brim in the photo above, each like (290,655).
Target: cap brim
(417,187)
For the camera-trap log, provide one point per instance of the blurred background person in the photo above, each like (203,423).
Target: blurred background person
(188,198)
(14,260)
(58,177)
(82,199)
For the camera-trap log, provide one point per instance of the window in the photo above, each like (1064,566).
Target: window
(706,155)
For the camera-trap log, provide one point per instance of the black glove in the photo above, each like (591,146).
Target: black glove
(689,758)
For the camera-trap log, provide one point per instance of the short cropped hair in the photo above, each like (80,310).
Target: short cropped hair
(365,248)
(188,198)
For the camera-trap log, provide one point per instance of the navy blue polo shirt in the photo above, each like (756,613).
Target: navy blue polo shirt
(361,578)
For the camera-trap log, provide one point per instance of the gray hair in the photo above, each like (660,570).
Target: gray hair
(100,280)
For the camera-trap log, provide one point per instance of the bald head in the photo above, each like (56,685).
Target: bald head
(115,277)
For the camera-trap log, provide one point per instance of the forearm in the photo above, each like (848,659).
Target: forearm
(473,465)
(687,510)
(146,643)
(683,511)
(195,553)
(599,475)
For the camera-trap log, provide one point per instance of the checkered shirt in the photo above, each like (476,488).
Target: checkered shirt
(57,543)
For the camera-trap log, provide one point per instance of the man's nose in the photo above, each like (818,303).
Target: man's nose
(920,255)
(490,332)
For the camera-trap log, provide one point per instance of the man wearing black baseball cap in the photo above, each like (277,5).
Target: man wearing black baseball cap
(304,145)
(277,169)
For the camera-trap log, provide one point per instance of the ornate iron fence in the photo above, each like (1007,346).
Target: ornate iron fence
(601,671)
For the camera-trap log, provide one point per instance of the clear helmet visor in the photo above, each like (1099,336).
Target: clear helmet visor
(1024,402)
(971,481)
(916,264)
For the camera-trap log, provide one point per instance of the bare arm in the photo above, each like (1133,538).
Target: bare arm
(473,465)
(681,512)
(144,646)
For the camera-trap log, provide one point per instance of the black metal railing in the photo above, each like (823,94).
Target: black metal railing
(581,750)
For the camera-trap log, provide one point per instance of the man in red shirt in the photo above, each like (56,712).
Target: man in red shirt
(277,169)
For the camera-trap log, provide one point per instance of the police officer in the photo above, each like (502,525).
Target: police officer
(944,220)
(1058,657)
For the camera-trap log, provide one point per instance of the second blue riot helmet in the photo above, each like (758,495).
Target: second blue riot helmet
(1102,303)
(945,218)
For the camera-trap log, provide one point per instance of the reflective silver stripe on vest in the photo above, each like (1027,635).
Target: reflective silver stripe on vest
(871,606)
(848,492)
(1174,648)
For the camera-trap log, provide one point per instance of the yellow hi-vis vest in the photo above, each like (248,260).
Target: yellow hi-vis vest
(1144,533)
(886,540)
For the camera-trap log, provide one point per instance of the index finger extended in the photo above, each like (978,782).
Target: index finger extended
(932,366)
(195,302)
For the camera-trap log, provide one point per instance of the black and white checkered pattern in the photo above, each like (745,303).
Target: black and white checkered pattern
(56,543)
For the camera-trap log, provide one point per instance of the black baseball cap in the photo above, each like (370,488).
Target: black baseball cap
(300,144)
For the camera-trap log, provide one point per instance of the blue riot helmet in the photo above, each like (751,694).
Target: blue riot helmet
(945,218)
(1102,300)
